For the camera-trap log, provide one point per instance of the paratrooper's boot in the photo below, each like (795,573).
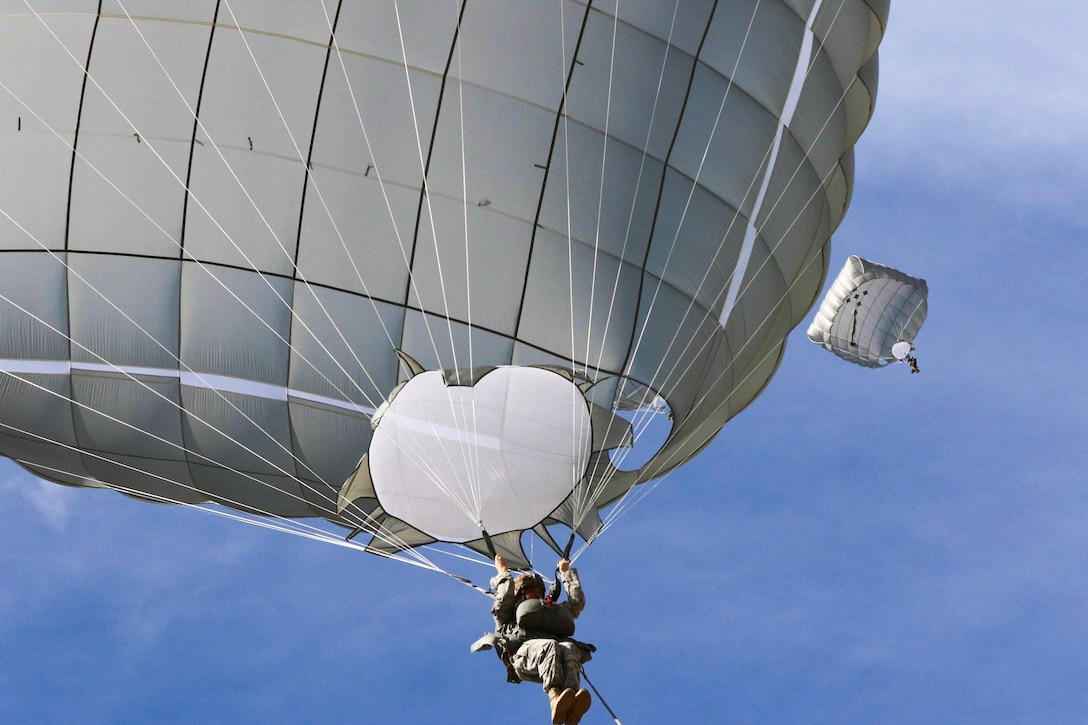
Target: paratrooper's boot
(562,701)
(581,704)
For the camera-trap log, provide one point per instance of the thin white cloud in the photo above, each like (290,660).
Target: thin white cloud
(1008,72)
(53,502)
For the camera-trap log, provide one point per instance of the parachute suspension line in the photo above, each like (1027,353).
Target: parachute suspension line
(910,359)
(189,192)
(736,216)
(800,75)
(691,194)
(253,203)
(213,275)
(267,520)
(621,503)
(320,196)
(367,523)
(621,506)
(596,489)
(466,582)
(598,482)
(770,256)
(115,368)
(565,77)
(751,336)
(317,188)
(582,502)
(150,389)
(287,526)
(600,192)
(473,511)
(447,491)
(808,151)
(362,522)
(642,420)
(416,451)
(624,504)
(564,116)
(683,216)
(385,197)
(473,451)
(382,185)
(182,366)
(388,205)
(226,288)
(407,443)
(907,321)
(653,300)
(424,169)
(424,162)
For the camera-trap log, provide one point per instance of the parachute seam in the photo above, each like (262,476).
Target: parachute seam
(192,141)
(425,196)
(185,445)
(780,346)
(318,285)
(181,364)
(79,120)
(71,191)
(667,45)
(765,174)
(265,276)
(627,358)
(302,204)
(185,435)
(313,135)
(582,503)
(288,525)
(560,113)
(820,251)
(424,191)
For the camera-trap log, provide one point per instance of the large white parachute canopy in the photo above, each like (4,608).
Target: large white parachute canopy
(232,232)
(871,314)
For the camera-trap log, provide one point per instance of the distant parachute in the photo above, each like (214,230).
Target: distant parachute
(232,233)
(871,314)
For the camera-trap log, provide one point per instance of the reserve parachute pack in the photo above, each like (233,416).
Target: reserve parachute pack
(537,617)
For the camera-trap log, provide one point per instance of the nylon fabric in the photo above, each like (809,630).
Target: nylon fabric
(217,232)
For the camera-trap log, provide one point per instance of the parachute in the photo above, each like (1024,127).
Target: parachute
(426,271)
(871,314)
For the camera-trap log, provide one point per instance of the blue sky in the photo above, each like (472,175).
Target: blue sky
(858,546)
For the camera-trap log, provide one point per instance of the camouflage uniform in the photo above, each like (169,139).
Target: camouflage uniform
(553,662)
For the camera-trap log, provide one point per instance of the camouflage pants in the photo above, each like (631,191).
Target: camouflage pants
(554,664)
